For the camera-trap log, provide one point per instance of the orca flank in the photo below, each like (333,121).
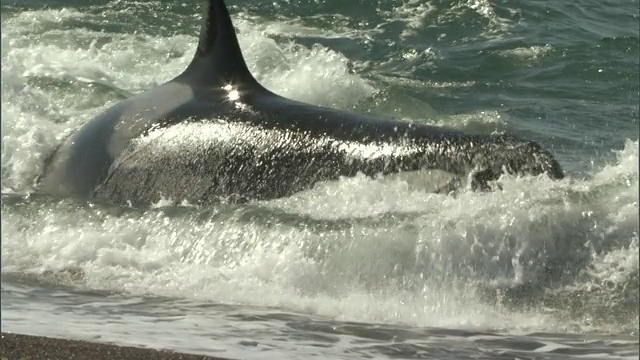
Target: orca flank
(214,132)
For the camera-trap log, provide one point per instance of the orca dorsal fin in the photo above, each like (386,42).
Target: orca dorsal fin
(218,59)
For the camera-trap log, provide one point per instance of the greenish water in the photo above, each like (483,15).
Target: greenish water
(358,267)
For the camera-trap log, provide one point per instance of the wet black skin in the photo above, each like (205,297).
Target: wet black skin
(253,144)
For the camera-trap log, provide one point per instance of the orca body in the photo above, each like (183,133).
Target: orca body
(215,133)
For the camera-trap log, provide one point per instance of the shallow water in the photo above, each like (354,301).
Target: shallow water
(358,267)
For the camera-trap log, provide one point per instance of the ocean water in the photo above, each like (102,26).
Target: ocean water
(360,267)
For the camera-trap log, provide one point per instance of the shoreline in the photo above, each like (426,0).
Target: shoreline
(30,347)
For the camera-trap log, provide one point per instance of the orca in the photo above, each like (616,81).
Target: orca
(214,134)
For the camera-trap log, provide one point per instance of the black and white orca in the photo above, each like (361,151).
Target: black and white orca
(214,132)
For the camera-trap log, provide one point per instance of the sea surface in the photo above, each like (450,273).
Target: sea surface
(360,267)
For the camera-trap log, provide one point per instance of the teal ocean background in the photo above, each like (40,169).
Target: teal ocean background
(375,268)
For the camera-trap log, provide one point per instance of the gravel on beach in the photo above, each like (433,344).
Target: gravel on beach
(28,347)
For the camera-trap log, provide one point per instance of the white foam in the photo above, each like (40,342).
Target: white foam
(359,272)
(530,53)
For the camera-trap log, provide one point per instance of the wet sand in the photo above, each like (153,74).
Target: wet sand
(28,347)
